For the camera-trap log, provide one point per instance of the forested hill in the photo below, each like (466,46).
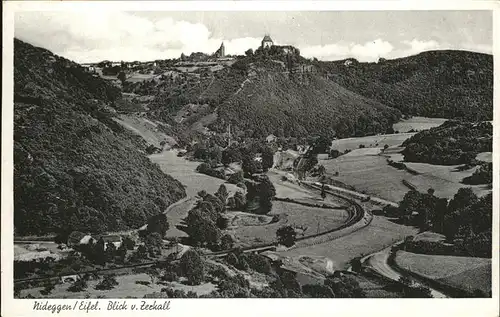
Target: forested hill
(302,105)
(258,96)
(74,168)
(449,84)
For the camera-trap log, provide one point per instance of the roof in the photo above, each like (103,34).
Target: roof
(111,238)
(267,38)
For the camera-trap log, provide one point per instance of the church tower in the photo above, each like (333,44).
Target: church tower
(221,52)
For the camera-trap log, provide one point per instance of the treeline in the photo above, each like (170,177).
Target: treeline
(444,84)
(466,221)
(451,143)
(255,157)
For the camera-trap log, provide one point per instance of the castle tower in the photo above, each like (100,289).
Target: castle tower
(267,42)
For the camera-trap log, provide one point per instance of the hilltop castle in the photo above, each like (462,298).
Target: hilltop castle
(267,42)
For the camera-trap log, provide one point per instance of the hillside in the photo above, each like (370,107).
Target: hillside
(74,167)
(259,97)
(444,84)
(451,143)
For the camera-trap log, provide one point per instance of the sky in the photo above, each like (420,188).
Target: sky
(93,36)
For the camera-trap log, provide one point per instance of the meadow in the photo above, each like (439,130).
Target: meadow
(417,124)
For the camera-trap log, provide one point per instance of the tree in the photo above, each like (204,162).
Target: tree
(286,236)
(201,229)
(78,286)
(230,155)
(128,242)
(249,52)
(236,178)
(108,282)
(158,224)
(321,145)
(335,153)
(222,222)
(318,291)
(227,242)
(153,243)
(193,267)
(251,166)
(345,287)
(122,77)
(222,193)
(121,252)
(239,200)
(267,158)
(110,252)
(48,288)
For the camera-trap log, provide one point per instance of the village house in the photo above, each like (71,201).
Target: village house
(271,138)
(114,239)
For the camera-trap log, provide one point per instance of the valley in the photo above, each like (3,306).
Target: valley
(241,177)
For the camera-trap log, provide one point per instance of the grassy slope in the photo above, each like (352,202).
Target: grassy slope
(380,234)
(443,84)
(74,167)
(462,272)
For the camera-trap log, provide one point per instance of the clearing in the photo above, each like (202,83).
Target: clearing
(369,174)
(371,141)
(418,124)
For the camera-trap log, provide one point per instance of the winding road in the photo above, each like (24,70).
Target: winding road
(379,262)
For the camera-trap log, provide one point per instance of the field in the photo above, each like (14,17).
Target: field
(126,287)
(184,170)
(445,180)
(370,174)
(466,273)
(417,124)
(145,128)
(314,219)
(485,157)
(380,234)
(371,141)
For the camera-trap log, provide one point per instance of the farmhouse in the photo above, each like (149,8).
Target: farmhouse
(114,239)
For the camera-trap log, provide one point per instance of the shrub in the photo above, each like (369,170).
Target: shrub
(107,283)
(286,236)
(78,286)
(236,178)
(317,291)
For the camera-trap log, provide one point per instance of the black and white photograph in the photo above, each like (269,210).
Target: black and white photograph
(252,154)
